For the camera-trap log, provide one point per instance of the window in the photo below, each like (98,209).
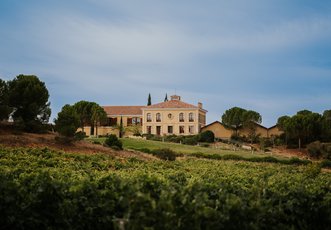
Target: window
(181,117)
(135,120)
(170,129)
(191,129)
(181,129)
(202,119)
(158,117)
(149,129)
(112,121)
(191,117)
(149,117)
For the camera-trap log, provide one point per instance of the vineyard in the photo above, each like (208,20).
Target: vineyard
(47,189)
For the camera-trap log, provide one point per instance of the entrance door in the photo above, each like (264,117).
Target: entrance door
(158,130)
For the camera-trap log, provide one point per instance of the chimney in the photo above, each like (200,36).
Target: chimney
(175,98)
(200,105)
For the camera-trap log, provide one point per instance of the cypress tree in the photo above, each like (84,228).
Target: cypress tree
(166,97)
(149,102)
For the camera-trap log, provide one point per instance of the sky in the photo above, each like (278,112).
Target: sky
(272,56)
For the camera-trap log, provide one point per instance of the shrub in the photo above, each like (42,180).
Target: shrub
(317,149)
(113,142)
(326,163)
(165,154)
(80,135)
(191,140)
(207,136)
(174,138)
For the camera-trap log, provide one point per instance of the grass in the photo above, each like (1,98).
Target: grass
(140,144)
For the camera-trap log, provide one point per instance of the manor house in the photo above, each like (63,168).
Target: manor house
(166,118)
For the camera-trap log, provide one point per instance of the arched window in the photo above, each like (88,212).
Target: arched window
(149,117)
(158,117)
(191,117)
(181,117)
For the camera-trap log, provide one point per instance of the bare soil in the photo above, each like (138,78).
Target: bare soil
(11,138)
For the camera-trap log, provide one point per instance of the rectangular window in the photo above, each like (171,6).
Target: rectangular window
(149,117)
(112,121)
(191,129)
(181,129)
(170,129)
(191,117)
(149,129)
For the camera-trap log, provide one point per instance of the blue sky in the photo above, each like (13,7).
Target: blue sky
(271,56)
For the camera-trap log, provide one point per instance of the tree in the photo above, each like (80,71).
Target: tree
(149,102)
(84,112)
(250,119)
(305,126)
(67,121)
(238,117)
(5,110)
(121,128)
(326,126)
(98,116)
(166,97)
(28,97)
(233,118)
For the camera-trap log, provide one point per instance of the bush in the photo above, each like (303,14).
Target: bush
(326,164)
(190,140)
(207,136)
(319,150)
(113,142)
(165,154)
(174,138)
(80,135)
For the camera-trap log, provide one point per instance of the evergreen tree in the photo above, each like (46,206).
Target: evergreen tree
(149,102)
(166,97)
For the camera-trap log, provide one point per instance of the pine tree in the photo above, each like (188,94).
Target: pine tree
(149,99)
(166,97)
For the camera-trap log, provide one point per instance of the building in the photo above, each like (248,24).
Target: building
(223,132)
(165,118)
(173,117)
(131,117)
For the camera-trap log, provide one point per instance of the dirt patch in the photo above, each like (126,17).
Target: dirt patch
(13,139)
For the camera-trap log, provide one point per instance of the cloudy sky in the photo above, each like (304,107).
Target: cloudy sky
(270,56)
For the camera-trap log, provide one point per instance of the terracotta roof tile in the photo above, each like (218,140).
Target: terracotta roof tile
(123,110)
(172,104)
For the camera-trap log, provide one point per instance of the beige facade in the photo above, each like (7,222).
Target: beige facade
(260,131)
(222,132)
(219,130)
(165,118)
(173,117)
(274,131)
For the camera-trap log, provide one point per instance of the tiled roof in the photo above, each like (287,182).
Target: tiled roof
(123,110)
(171,105)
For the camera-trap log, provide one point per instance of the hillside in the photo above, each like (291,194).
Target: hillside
(10,138)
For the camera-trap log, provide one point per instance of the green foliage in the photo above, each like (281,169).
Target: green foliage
(46,189)
(207,136)
(305,126)
(165,154)
(149,100)
(113,142)
(237,117)
(28,97)
(80,135)
(326,126)
(67,121)
(5,110)
(319,150)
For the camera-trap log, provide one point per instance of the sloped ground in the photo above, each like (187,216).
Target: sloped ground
(11,138)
